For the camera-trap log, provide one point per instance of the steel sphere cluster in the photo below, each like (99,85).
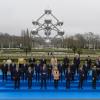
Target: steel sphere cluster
(47,26)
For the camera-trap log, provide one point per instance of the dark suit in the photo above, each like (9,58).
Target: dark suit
(89,62)
(98,66)
(68,79)
(94,78)
(77,63)
(42,61)
(60,68)
(37,71)
(31,60)
(4,71)
(86,69)
(72,69)
(49,71)
(32,63)
(12,68)
(66,60)
(81,78)
(29,77)
(24,69)
(65,64)
(17,75)
(43,78)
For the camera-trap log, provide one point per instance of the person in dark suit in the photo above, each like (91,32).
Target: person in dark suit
(77,62)
(17,75)
(72,69)
(12,68)
(66,60)
(29,77)
(68,77)
(4,71)
(89,62)
(49,66)
(65,64)
(42,61)
(60,68)
(97,63)
(37,71)
(24,69)
(32,61)
(44,76)
(81,78)
(86,69)
(94,77)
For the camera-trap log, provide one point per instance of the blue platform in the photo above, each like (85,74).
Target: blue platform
(7,91)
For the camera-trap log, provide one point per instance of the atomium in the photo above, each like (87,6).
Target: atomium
(48,27)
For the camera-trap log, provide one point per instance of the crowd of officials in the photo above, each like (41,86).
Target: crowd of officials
(41,71)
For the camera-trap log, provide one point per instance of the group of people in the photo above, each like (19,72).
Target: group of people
(42,71)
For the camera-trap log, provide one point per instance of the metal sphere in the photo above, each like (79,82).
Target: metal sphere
(35,23)
(61,33)
(48,21)
(47,11)
(60,23)
(34,32)
(48,28)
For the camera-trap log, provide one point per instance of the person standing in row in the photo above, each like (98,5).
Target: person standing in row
(68,77)
(17,75)
(44,76)
(89,62)
(32,61)
(60,68)
(42,61)
(72,69)
(12,68)
(29,77)
(24,69)
(49,71)
(94,77)
(65,64)
(4,70)
(37,71)
(56,76)
(97,63)
(86,69)
(77,62)
(81,78)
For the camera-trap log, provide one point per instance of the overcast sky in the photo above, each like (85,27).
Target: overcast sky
(78,15)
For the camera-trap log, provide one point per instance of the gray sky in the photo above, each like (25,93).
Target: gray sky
(78,15)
